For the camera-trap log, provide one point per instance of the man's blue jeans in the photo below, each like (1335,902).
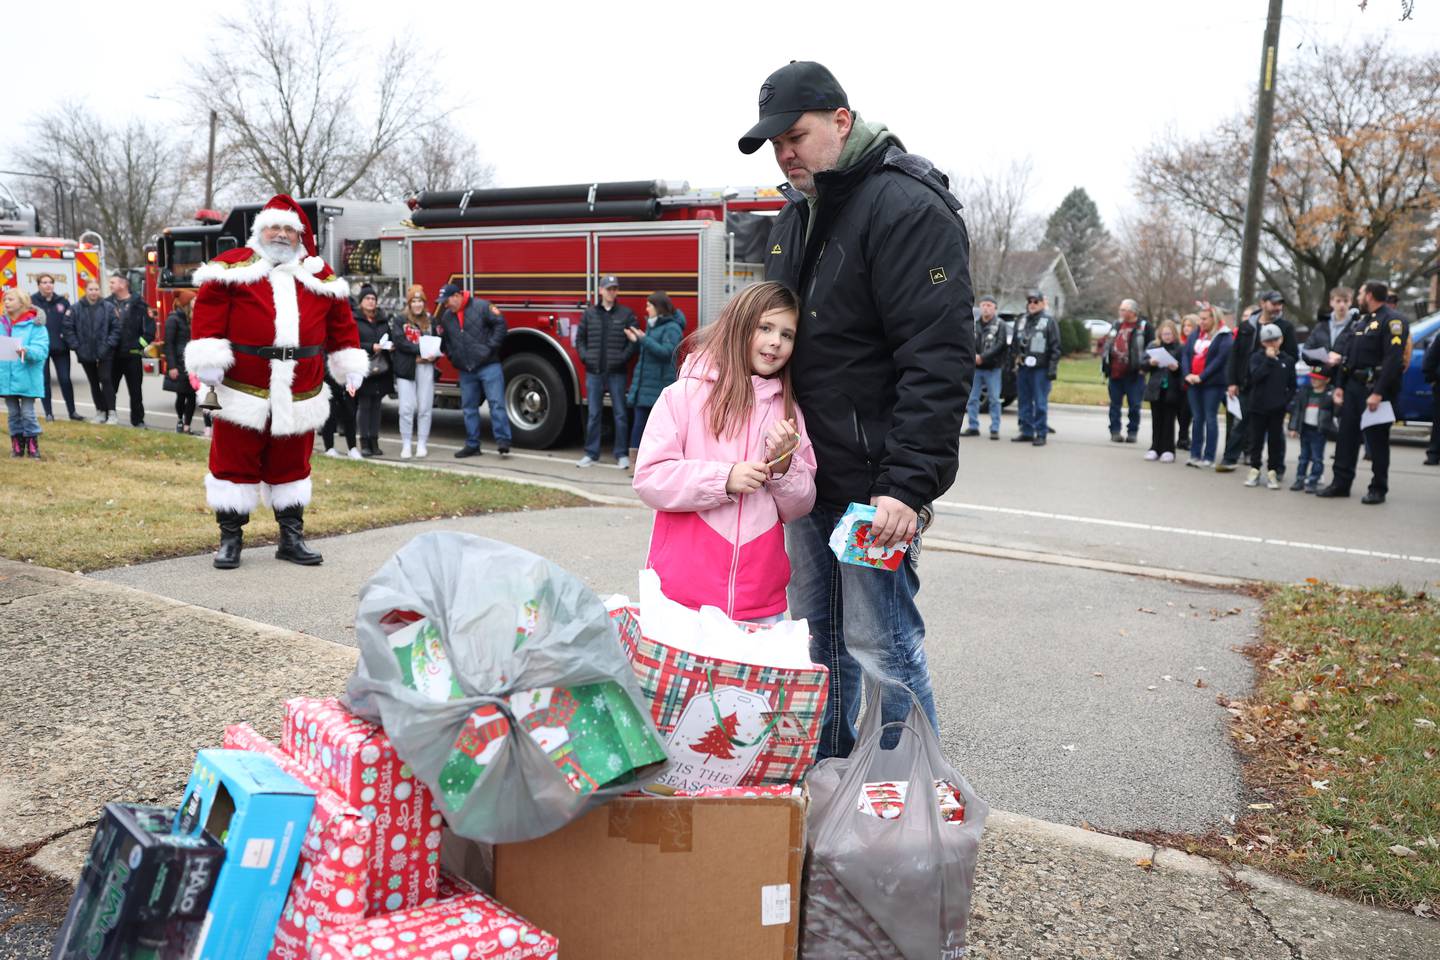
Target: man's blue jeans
(862,622)
(595,386)
(1032,388)
(488,381)
(989,380)
(1131,389)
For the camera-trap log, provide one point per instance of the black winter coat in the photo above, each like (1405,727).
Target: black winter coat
(1320,339)
(92,330)
(1141,335)
(137,328)
(476,342)
(1430,366)
(406,353)
(1247,342)
(370,334)
(992,343)
(1165,386)
(57,314)
(177,335)
(1272,381)
(885,350)
(601,340)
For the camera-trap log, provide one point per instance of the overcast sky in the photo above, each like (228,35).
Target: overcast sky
(561,93)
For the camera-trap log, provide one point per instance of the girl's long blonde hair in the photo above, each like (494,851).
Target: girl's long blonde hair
(725,344)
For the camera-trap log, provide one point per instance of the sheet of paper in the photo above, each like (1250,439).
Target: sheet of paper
(1316,355)
(7,348)
(1380,415)
(1232,404)
(429,347)
(1162,357)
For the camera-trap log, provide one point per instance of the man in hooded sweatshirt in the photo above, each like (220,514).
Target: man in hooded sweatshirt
(873,243)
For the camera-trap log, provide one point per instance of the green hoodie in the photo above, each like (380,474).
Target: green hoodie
(863,136)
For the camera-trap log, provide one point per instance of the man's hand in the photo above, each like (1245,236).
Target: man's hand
(173,374)
(634,334)
(1372,402)
(894,522)
(978,360)
(747,476)
(1293,435)
(1337,399)
(1334,359)
(210,376)
(353,381)
(1232,390)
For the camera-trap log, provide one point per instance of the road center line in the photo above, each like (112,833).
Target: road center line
(1184,531)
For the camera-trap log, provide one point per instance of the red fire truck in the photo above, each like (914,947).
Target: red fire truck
(537,253)
(74,265)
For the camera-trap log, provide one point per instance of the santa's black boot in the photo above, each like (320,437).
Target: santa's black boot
(292,538)
(232,538)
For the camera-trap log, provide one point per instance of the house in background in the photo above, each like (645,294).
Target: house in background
(1043,270)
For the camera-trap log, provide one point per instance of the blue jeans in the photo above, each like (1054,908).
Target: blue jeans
(990,381)
(862,621)
(1312,452)
(639,416)
(489,380)
(1204,425)
(1032,388)
(22,416)
(595,386)
(1131,389)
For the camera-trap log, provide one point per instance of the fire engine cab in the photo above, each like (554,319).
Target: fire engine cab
(74,265)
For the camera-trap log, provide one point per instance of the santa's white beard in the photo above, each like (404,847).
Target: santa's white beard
(279,253)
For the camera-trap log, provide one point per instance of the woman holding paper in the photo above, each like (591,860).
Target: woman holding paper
(1164,391)
(1203,362)
(24,346)
(417,345)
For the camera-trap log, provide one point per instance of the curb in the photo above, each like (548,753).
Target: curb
(599,499)
(1085,563)
(1118,848)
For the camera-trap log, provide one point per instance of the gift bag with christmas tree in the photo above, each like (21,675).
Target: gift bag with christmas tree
(499,678)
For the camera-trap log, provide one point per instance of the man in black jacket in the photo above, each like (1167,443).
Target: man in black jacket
(471,334)
(57,316)
(873,243)
(1237,374)
(992,345)
(137,329)
(93,330)
(605,350)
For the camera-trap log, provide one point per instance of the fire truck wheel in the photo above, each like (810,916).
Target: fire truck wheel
(535,400)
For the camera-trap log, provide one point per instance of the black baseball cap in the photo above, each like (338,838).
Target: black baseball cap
(447,291)
(794,89)
(608,281)
(987,299)
(1272,296)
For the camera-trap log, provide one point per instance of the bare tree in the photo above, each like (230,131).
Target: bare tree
(999,223)
(127,182)
(305,106)
(436,158)
(1166,261)
(1352,189)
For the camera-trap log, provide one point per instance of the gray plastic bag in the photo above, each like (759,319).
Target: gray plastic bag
(508,627)
(878,889)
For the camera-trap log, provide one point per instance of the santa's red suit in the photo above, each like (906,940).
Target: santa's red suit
(271,328)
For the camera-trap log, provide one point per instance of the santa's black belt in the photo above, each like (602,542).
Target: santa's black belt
(277,353)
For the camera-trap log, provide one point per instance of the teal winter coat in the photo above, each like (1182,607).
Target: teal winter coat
(655,370)
(25,378)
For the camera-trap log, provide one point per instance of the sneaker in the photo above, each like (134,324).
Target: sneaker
(1167,458)
(1207,464)
(1192,462)
(1151,455)
(99,418)
(420,451)
(1312,487)
(623,463)
(355,454)
(1116,438)
(1272,482)
(1299,484)
(75,416)
(1223,467)
(179,428)
(994,434)
(585,461)
(1253,479)
(504,451)
(1131,437)
(1022,438)
(970,432)
(467,451)
(206,433)
(332,452)
(113,420)
(405,450)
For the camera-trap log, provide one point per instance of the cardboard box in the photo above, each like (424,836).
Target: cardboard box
(143,890)
(697,878)
(261,814)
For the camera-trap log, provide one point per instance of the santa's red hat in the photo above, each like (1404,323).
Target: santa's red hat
(283,211)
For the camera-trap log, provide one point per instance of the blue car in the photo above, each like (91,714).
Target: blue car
(1416,396)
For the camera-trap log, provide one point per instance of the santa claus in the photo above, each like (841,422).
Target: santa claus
(264,316)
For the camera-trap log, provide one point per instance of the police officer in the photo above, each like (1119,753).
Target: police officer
(1371,362)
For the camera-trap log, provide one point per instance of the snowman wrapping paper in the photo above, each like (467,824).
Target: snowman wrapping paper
(473,927)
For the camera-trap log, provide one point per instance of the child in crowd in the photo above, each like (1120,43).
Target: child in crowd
(1272,384)
(22,380)
(1310,418)
(725,462)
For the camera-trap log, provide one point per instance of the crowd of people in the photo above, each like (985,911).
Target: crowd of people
(1208,362)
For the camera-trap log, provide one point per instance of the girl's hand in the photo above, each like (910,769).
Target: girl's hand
(20,351)
(747,476)
(1192,378)
(782,438)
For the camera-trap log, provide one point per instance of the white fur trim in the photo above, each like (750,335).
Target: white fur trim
(228,273)
(337,287)
(230,497)
(346,361)
(313,265)
(287,306)
(274,217)
(254,413)
(242,409)
(208,352)
(293,494)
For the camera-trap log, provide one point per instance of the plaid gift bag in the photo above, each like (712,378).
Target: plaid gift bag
(726,723)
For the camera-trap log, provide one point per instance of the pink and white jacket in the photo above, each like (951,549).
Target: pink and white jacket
(708,547)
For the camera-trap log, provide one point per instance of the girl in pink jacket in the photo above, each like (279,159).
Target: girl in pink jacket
(725,462)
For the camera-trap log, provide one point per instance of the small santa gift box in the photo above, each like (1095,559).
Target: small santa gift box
(886,798)
(356,759)
(850,541)
(473,927)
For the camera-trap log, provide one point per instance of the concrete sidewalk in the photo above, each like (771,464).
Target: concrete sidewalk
(109,691)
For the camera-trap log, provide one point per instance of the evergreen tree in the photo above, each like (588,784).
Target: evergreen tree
(1076,230)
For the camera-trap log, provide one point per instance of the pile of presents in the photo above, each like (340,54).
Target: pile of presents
(657,808)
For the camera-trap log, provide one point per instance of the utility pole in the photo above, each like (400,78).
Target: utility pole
(1260,157)
(210,164)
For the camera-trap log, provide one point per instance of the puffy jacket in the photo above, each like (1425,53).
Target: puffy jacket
(1217,357)
(708,547)
(370,334)
(992,343)
(57,315)
(1140,334)
(884,353)
(407,351)
(655,369)
(1037,336)
(177,337)
(1164,385)
(93,330)
(1247,342)
(25,378)
(600,339)
(474,339)
(137,328)
(1272,381)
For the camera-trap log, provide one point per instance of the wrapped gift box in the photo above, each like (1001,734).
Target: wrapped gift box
(330,888)
(355,758)
(470,927)
(850,541)
(886,798)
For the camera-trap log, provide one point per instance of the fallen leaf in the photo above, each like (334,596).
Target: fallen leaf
(1422,722)
(1145,864)
(1311,580)
(1147,610)
(1262,806)
(1069,747)
(1097,674)
(1151,687)
(1299,702)
(1320,784)
(1400,850)
(1201,684)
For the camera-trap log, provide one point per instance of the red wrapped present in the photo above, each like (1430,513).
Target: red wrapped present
(356,759)
(329,889)
(472,927)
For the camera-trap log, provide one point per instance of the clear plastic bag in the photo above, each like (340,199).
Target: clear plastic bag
(478,653)
(884,888)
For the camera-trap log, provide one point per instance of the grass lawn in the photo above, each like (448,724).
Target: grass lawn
(1341,742)
(105,496)
(1079,381)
